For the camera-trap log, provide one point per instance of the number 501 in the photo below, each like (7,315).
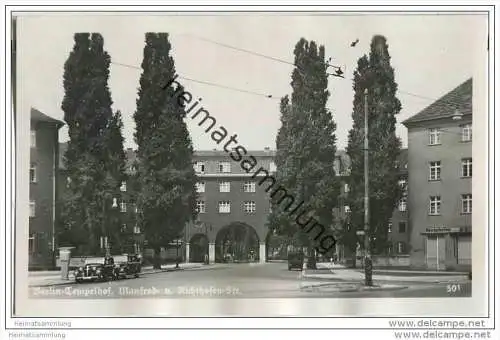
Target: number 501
(452,288)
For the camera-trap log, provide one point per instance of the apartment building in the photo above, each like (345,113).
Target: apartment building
(440,181)
(131,238)
(43,177)
(398,231)
(229,201)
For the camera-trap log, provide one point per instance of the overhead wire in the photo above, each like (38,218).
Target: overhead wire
(269,96)
(451,103)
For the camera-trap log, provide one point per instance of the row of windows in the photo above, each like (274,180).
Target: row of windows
(465,135)
(225,207)
(226,187)
(402,205)
(401,227)
(434,205)
(224,167)
(435,169)
(465,204)
(123,207)
(136,229)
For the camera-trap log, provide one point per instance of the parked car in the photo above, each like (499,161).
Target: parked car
(97,271)
(90,272)
(295,260)
(131,267)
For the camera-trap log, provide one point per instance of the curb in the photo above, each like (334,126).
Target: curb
(356,288)
(72,281)
(379,288)
(349,289)
(404,279)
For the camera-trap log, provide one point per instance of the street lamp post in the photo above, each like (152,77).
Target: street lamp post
(367,261)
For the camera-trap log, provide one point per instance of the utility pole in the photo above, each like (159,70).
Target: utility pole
(367,261)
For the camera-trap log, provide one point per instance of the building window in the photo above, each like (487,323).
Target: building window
(200,207)
(137,230)
(402,204)
(32,208)
(249,187)
(124,228)
(123,207)
(32,173)
(224,207)
(272,167)
(435,171)
(401,247)
(466,132)
(123,187)
(467,167)
(33,139)
(200,187)
(467,204)
(435,205)
(249,207)
(32,243)
(224,167)
(402,227)
(402,184)
(224,187)
(347,209)
(199,167)
(389,227)
(346,187)
(434,136)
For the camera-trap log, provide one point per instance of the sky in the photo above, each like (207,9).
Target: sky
(431,54)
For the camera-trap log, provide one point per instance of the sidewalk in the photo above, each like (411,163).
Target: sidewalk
(356,275)
(53,278)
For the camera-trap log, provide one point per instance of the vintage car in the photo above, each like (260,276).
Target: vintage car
(295,260)
(130,268)
(97,271)
(90,272)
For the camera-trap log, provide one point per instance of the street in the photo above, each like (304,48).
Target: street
(269,280)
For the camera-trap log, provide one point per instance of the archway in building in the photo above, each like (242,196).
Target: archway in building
(237,242)
(198,248)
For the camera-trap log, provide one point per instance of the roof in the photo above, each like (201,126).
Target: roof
(460,98)
(131,156)
(38,116)
(214,153)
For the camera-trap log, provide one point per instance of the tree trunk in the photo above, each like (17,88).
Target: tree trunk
(311,260)
(92,235)
(157,257)
(353,255)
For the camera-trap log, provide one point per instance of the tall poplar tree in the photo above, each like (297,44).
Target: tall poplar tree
(376,74)
(89,157)
(166,177)
(306,145)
